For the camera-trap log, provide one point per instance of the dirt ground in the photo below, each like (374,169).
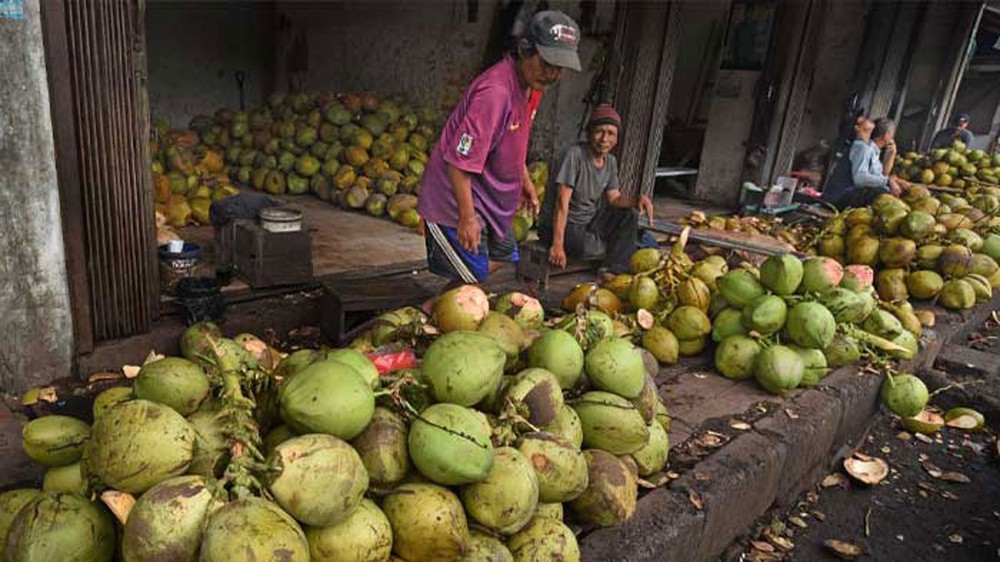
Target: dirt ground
(910,516)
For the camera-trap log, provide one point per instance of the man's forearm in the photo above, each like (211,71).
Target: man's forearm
(461,184)
(559,226)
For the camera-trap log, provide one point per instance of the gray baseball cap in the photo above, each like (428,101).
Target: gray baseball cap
(556,36)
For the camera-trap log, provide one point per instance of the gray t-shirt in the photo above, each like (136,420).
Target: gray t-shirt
(587,181)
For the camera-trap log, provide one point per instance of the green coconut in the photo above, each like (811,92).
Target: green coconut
(505,501)
(612,492)
(535,395)
(991,246)
(277,436)
(653,457)
(55,440)
(643,293)
(196,341)
(778,369)
(382,448)
(765,315)
(620,285)
(319,479)
(883,323)
(647,399)
(909,344)
(917,225)
(689,322)
(450,445)
(954,260)
(844,305)
(328,397)
(365,536)
(253,529)
(980,285)
(138,444)
(485,548)
(843,351)
(662,417)
(740,287)
(729,322)
(957,294)
(550,511)
(428,523)
(694,292)
(598,326)
(356,360)
(610,423)
(781,274)
(904,394)
(897,252)
(212,444)
(964,418)
(863,250)
(61,526)
(110,397)
(559,353)
(820,275)
(11,503)
(506,333)
(67,478)
(463,367)
(811,324)
(967,238)
(544,540)
(692,347)
(295,363)
(662,343)
(984,265)
(525,310)
(644,260)
(858,278)
(891,285)
(928,254)
(924,284)
(734,357)
(461,308)
(166,522)
(560,467)
(814,365)
(615,365)
(566,425)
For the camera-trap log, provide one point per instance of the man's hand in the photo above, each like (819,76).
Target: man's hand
(894,186)
(468,233)
(645,207)
(529,198)
(557,256)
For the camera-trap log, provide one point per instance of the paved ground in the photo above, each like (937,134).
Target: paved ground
(924,511)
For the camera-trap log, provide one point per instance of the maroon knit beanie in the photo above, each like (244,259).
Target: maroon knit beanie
(604,114)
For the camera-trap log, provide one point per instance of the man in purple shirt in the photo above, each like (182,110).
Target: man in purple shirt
(477,174)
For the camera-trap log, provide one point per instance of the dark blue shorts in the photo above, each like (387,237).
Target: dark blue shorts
(447,258)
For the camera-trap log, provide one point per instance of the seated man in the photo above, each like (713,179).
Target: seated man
(856,180)
(586,215)
(959,131)
(884,137)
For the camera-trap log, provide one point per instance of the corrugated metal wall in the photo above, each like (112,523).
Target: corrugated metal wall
(105,52)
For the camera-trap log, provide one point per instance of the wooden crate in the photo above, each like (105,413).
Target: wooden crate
(266,259)
(344,296)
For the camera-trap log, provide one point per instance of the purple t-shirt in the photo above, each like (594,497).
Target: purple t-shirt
(486,136)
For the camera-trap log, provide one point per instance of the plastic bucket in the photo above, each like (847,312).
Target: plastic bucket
(175,266)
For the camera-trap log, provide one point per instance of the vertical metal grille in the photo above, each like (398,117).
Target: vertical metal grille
(114,178)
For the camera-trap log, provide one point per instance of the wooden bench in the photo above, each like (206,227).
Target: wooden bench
(369,295)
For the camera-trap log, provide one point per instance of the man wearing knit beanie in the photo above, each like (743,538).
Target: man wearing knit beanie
(587,215)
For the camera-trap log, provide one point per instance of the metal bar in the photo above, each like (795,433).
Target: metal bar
(703,237)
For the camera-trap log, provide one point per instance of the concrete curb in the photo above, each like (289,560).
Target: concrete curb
(785,454)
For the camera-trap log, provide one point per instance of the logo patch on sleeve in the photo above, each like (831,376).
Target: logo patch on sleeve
(464,144)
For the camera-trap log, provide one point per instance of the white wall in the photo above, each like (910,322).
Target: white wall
(36,331)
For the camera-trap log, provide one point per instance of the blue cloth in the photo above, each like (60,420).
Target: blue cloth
(861,169)
(447,258)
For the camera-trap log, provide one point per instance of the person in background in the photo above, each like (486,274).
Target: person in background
(477,175)
(959,131)
(884,137)
(858,179)
(587,215)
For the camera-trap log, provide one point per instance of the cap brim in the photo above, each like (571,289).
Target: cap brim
(561,57)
